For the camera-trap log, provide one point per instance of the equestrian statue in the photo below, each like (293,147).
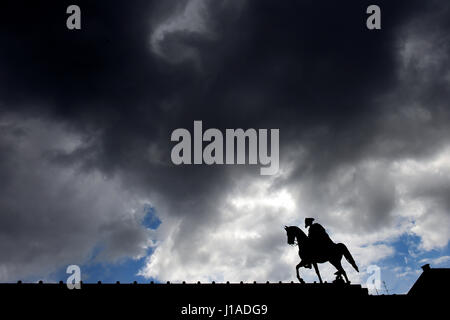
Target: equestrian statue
(316,248)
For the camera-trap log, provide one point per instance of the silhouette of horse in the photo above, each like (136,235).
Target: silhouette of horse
(309,254)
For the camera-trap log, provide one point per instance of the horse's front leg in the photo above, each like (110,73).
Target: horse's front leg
(317,271)
(298,274)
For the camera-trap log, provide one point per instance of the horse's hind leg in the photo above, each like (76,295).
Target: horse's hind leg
(340,270)
(345,275)
(317,271)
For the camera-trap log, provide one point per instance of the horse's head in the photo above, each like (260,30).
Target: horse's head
(294,233)
(290,235)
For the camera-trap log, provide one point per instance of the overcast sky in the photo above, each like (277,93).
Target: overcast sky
(86,117)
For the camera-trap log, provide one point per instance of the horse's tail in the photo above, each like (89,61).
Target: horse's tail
(348,255)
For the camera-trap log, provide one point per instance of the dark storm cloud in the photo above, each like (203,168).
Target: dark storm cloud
(293,65)
(311,69)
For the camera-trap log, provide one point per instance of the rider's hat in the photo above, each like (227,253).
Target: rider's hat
(308,222)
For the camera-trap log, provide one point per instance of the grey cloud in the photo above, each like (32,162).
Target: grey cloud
(52,216)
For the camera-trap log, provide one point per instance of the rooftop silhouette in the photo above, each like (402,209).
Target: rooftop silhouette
(432,282)
(282,299)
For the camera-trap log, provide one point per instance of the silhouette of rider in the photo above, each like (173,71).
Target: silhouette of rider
(318,236)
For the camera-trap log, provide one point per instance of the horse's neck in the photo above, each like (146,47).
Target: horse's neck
(301,236)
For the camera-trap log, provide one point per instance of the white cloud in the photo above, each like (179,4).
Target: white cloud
(245,240)
(436,261)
